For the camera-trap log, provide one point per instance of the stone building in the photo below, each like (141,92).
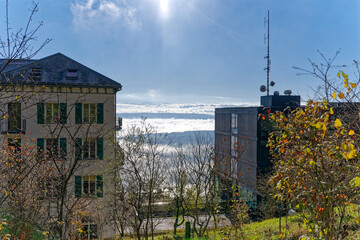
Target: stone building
(67,112)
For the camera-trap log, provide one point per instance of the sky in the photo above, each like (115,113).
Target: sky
(196,51)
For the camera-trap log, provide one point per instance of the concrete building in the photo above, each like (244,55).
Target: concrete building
(240,142)
(66,111)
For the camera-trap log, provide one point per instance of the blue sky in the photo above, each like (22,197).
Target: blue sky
(196,51)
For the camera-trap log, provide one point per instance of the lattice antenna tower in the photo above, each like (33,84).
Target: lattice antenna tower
(267,57)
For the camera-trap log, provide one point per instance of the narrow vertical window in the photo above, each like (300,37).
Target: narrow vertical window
(52,113)
(89,112)
(234,123)
(89,149)
(52,148)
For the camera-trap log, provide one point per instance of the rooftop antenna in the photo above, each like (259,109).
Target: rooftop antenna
(266,88)
(268,54)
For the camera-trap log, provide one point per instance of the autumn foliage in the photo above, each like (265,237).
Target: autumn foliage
(315,166)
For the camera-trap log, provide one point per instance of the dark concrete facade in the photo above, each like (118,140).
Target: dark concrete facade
(241,139)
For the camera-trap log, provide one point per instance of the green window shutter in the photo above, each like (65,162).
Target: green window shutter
(63,148)
(78,186)
(100,148)
(40,113)
(78,150)
(40,148)
(100,113)
(78,113)
(99,186)
(63,113)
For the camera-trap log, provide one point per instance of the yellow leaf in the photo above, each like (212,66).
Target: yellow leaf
(341,95)
(357,220)
(318,125)
(344,74)
(353,85)
(344,146)
(337,123)
(338,74)
(352,154)
(351,132)
(357,181)
(332,111)
(334,95)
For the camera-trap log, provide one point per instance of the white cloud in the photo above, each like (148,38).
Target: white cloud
(173,125)
(86,13)
(173,108)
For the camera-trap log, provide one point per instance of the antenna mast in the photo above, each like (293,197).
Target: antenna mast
(269,84)
(268,54)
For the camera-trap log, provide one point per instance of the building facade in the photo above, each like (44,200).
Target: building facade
(241,139)
(65,113)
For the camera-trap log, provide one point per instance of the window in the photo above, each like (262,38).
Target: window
(89,228)
(90,231)
(35,73)
(89,149)
(89,112)
(14,115)
(52,113)
(234,146)
(234,123)
(52,148)
(51,187)
(71,74)
(91,186)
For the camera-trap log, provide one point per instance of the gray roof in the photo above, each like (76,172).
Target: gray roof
(53,72)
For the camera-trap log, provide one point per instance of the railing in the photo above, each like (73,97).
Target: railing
(5,127)
(118,123)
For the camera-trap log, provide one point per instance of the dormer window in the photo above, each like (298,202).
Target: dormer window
(71,74)
(35,73)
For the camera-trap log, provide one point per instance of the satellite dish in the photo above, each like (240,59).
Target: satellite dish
(276,93)
(262,88)
(272,83)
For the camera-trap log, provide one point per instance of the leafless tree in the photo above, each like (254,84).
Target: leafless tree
(202,200)
(19,44)
(142,177)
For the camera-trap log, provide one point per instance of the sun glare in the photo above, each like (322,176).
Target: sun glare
(164,8)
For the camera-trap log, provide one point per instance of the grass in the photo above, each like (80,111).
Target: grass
(267,229)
